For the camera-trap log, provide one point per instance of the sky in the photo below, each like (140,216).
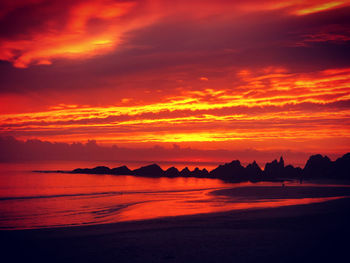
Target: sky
(238,76)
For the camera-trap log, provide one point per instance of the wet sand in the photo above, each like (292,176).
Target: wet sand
(286,192)
(318,232)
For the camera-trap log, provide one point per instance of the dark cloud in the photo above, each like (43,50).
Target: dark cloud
(173,44)
(12,150)
(70,62)
(33,17)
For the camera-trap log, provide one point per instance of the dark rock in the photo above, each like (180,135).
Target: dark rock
(274,169)
(205,173)
(253,172)
(100,170)
(122,170)
(185,172)
(152,170)
(172,172)
(292,172)
(80,171)
(233,171)
(96,170)
(200,173)
(341,167)
(317,166)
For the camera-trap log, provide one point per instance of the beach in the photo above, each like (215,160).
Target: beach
(316,232)
(179,131)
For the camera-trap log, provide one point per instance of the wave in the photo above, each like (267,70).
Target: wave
(6,198)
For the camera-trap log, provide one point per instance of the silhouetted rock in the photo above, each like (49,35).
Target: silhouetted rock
(101,170)
(281,162)
(80,171)
(172,172)
(274,169)
(196,172)
(253,172)
(122,170)
(96,170)
(341,167)
(205,173)
(317,166)
(292,172)
(185,172)
(233,171)
(152,170)
(200,173)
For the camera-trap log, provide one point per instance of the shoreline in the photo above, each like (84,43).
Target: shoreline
(243,198)
(235,215)
(268,234)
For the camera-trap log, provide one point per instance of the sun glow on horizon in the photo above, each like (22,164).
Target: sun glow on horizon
(257,111)
(229,74)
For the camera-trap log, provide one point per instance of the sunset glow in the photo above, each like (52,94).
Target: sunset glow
(208,75)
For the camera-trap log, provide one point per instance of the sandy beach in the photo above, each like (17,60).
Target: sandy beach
(317,232)
(159,131)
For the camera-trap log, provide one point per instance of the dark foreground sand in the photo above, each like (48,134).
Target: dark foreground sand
(287,192)
(306,233)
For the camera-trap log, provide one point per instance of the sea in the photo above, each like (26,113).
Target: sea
(30,200)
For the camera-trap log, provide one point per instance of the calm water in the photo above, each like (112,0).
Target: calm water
(37,200)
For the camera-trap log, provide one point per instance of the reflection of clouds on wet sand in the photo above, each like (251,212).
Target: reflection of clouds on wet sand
(248,197)
(34,200)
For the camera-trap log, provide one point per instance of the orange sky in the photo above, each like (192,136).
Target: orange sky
(206,74)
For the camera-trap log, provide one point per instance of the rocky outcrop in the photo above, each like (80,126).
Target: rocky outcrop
(152,170)
(122,170)
(229,171)
(317,167)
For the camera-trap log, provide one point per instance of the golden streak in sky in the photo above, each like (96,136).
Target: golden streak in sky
(256,111)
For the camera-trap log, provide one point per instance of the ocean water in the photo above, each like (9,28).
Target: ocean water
(41,200)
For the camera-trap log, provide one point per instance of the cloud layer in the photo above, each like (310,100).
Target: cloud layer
(222,74)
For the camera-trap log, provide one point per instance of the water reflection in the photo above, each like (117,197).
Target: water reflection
(33,200)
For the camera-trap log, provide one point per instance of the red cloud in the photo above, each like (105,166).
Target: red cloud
(81,29)
(76,38)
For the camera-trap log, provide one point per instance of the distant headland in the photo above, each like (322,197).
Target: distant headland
(317,167)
